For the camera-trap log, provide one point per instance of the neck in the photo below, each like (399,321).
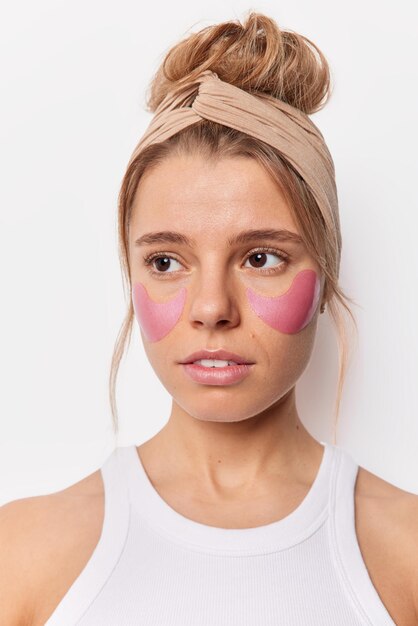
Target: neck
(217,456)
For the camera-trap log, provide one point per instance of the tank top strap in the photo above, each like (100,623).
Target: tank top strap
(108,549)
(346,549)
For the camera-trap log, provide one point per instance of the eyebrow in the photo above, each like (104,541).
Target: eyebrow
(247,236)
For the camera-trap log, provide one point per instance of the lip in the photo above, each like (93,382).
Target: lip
(221,354)
(227,375)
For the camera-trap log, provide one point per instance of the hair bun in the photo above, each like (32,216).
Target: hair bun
(256,56)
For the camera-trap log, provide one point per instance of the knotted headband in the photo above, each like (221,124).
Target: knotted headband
(269,119)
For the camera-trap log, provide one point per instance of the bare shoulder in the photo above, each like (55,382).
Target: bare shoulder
(45,543)
(387,529)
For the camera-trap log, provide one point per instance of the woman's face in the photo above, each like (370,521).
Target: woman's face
(213,285)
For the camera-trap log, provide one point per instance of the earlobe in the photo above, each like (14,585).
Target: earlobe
(324,297)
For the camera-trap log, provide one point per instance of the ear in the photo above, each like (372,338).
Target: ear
(324,297)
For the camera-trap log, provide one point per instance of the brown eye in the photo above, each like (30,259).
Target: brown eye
(162,263)
(258,259)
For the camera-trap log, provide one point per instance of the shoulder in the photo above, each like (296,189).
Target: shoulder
(45,542)
(387,528)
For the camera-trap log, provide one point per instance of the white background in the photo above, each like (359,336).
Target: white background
(74,76)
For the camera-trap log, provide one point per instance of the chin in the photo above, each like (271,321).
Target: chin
(222,411)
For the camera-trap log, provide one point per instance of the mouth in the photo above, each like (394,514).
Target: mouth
(217,374)
(216,367)
(215,363)
(216,359)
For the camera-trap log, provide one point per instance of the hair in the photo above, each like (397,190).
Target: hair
(261,58)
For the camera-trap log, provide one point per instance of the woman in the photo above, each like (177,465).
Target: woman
(232,513)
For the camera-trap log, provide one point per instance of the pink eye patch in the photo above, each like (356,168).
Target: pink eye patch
(293,310)
(156,318)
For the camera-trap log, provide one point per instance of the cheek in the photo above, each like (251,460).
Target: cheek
(294,309)
(156,319)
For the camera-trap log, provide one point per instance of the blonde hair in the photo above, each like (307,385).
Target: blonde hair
(261,58)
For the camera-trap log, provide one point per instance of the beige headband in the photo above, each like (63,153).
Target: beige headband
(269,119)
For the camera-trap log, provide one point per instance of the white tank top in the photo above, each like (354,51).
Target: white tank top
(155,567)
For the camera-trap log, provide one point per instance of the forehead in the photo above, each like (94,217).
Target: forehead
(209,198)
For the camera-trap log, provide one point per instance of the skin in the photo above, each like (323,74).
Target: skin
(293,310)
(245,437)
(288,313)
(242,449)
(157,319)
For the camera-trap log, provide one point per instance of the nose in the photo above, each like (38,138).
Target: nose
(214,300)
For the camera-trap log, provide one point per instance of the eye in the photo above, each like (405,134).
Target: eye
(163,262)
(258,259)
